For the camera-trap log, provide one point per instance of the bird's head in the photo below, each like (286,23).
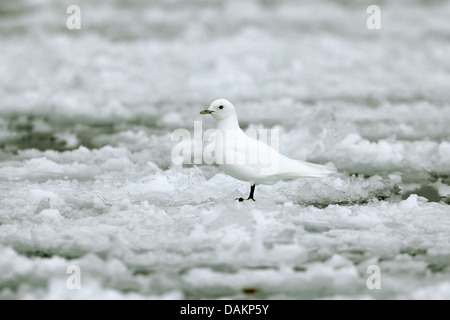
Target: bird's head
(220,109)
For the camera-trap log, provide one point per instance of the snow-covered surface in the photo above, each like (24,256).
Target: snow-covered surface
(86,176)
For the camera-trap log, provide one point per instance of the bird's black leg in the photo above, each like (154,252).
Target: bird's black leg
(252,191)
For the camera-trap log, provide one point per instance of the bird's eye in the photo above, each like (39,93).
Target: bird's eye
(220,107)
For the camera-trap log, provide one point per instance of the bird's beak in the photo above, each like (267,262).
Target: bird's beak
(205,112)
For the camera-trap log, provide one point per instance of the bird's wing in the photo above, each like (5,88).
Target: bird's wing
(270,162)
(298,168)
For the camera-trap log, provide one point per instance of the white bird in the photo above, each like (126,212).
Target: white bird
(262,164)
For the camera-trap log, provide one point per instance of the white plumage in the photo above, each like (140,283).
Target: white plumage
(248,159)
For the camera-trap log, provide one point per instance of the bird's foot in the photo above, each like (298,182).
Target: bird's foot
(242,199)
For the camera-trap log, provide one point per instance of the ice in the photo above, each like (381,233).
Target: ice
(443,189)
(87,179)
(50,214)
(156,235)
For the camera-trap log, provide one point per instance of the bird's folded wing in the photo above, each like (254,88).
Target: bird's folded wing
(265,157)
(298,168)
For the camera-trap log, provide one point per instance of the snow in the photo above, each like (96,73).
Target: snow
(86,176)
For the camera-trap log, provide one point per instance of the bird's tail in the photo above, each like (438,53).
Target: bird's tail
(300,168)
(319,170)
